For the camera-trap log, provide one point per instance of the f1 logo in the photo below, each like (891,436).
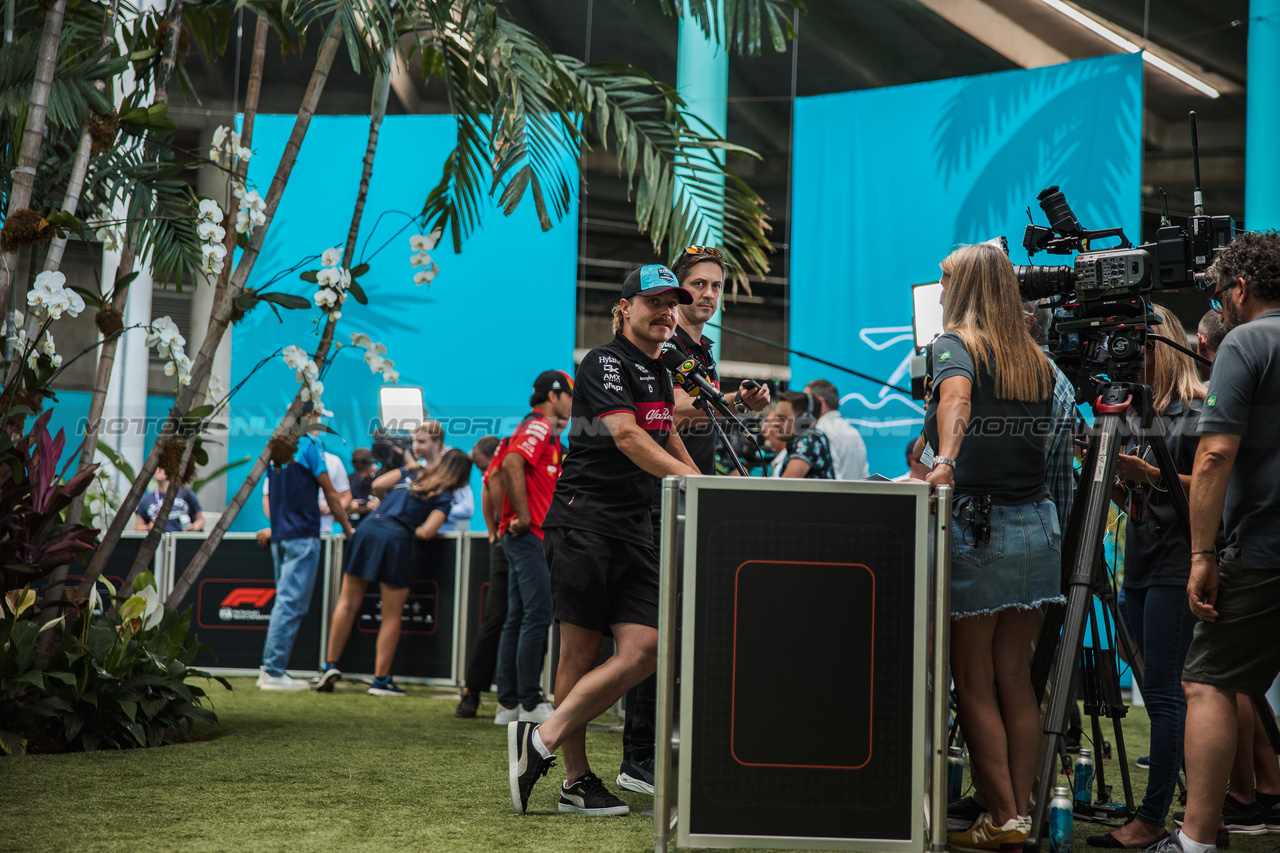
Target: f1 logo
(257,597)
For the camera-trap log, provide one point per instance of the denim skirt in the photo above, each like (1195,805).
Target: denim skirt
(1021,565)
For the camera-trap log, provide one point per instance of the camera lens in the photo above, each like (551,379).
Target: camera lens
(1041,282)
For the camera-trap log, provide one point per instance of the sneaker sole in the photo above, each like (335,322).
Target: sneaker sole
(325,683)
(380,691)
(638,786)
(505,722)
(513,765)
(276,688)
(612,811)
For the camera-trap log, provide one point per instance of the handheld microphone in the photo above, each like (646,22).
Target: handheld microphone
(690,376)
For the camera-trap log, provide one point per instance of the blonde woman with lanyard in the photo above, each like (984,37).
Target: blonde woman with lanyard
(988,376)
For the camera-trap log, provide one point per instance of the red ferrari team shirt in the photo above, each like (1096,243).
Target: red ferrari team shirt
(535,440)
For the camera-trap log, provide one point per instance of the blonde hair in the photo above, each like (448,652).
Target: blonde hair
(1172,373)
(452,473)
(617,319)
(983,308)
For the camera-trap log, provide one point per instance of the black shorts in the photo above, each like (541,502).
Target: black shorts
(1233,652)
(598,581)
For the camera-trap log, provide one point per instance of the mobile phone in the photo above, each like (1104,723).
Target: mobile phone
(750,384)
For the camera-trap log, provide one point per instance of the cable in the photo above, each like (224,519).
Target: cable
(805,355)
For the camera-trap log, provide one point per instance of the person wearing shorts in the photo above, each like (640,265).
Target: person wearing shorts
(598,538)
(1235,480)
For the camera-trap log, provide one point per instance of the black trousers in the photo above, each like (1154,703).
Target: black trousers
(484,655)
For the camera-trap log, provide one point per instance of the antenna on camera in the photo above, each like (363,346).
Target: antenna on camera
(1197,197)
(1164,207)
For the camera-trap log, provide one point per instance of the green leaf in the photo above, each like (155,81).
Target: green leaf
(144,580)
(357,292)
(121,464)
(200,412)
(286,300)
(359,270)
(246,301)
(312,276)
(12,743)
(200,454)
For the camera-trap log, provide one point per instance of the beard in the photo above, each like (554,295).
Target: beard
(1230,318)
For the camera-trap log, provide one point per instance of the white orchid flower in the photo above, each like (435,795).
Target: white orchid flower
(331,257)
(329,277)
(243,224)
(360,339)
(220,135)
(325,299)
(390,377)
(418,243)
(211,231)
(214,250)
(374,360)
(425,276)
(295,356)
(345,278)
(243,153)
(209,210)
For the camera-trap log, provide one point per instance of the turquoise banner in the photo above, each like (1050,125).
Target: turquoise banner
(494,317)
(886,182)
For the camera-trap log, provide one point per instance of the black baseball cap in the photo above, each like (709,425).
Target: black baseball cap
(552,380)
(652,279)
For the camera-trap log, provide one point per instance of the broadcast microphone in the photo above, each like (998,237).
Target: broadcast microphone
(691,376)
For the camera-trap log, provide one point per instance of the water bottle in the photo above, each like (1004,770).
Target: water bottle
(1060,821)
(955,772)
(1084,777)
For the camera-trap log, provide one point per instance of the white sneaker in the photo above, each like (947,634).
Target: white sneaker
(506,715)
(283,683)
(540,713)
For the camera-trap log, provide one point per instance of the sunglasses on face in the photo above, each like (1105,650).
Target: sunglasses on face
(977,512)
(1215,301)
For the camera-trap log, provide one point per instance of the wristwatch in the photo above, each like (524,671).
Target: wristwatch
(944,460)
(740,406)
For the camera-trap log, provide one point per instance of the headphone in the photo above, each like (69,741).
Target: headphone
(806,419)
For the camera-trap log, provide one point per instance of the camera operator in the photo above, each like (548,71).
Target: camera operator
(599,537)
(1236,481)
(1157,563)
(1006,554)
(848,450)
(363,472)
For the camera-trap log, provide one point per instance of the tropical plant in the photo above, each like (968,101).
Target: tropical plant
(113,682)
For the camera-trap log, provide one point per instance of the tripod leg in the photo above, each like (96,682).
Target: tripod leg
(1099,468)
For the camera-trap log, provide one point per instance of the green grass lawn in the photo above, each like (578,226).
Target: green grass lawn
(332,772)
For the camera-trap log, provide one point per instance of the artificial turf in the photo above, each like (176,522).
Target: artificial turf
(333,772)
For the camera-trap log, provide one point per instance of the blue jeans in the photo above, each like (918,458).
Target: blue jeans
(296,562)
(1162,625)
(524,635)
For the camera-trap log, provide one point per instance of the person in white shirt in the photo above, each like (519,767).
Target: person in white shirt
(848,451)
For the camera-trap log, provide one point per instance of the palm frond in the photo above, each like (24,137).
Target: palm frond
(522,113)
(369,28)
(740,23)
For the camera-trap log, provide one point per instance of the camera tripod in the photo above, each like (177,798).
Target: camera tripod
(1060,657)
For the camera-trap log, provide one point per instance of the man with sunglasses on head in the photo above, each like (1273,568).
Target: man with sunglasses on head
(599,538)
(1235,481)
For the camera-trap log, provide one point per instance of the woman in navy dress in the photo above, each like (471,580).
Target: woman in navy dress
(415,502)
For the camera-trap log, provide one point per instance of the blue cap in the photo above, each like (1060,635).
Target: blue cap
(652,279)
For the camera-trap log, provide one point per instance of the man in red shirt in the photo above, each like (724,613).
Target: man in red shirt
(530,468)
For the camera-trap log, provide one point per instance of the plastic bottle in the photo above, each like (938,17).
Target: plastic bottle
(1060,817)
(955,772)
(1084,777)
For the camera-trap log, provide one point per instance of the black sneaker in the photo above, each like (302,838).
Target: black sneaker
(1270,817)
(467,707)
(329,676)
(962,814)
(636,776)
(1144,762)
(589,796)
(524,763)
(1242,819)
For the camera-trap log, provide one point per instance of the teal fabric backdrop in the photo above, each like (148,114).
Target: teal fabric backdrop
(497,315)
(886,182)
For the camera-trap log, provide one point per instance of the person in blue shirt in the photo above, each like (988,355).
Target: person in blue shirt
(294,537)
(185,514)
(415,504)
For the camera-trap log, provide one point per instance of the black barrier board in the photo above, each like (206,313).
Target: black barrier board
(426,624)
(478,590)
(803,594)
(233,600)
(118,566)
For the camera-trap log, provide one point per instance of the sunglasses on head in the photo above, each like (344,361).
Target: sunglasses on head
(692,253)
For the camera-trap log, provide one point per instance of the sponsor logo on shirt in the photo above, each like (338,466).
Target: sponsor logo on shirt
(653,416)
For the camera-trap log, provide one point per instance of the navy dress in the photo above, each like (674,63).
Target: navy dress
(382,549)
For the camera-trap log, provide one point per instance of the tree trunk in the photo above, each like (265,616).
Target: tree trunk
(201,558)
(24,177)
(147,552)
(222,308)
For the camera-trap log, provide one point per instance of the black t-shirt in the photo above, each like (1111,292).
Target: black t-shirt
(1157,550)
(1244,400)
(1002,454)
(699,439)
(600,488)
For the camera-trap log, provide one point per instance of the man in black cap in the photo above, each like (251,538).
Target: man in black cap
(530,467)
(599,538)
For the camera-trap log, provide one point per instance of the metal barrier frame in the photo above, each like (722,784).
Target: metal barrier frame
(929,652)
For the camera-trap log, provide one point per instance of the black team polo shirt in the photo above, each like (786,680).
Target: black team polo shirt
(699,439)
(600,488)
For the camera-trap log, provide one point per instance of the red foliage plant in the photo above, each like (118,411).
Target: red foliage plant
(34,538)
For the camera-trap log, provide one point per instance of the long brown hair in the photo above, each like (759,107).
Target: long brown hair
(983,308)
(452,473)
(1172,374)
